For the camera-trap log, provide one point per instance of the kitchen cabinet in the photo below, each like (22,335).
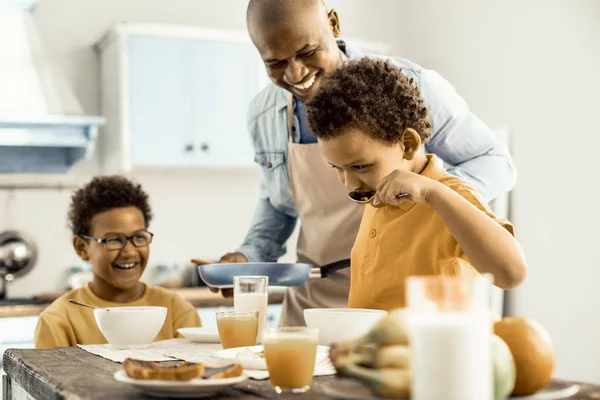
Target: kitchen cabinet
(176,97)
(16,332)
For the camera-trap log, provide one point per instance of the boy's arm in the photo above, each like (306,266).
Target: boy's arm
(184,315)
(489,245)
(52,331)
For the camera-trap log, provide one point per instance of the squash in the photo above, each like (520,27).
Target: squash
(504,369)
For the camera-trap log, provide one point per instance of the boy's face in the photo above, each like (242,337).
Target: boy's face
(113,267)
(361,161)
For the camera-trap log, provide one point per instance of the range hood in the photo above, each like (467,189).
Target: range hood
(42,126)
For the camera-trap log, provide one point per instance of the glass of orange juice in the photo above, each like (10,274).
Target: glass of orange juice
(290,353)
(237,329)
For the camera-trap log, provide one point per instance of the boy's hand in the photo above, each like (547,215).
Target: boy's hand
(416,188)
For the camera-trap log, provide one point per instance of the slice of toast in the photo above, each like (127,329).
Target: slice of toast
(184,371)
(228,371)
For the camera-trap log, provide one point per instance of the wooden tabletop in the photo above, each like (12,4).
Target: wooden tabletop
(199,297)
(73,373)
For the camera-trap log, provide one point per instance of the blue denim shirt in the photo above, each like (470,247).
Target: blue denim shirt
(464,142)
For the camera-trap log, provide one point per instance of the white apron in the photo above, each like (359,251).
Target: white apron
(329,223)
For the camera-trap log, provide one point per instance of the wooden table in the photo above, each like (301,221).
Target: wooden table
(72,373)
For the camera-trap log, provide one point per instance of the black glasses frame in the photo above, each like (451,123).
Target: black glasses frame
(123,242)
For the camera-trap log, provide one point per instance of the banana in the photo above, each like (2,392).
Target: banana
(389,330)
(380,358)
(339,354)
(383,382)
(394,356)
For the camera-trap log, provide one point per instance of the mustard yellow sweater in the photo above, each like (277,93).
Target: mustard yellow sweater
(63,324)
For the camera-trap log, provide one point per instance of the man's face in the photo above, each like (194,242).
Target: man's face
(299,50)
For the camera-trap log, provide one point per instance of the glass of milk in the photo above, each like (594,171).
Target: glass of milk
(250,293)
(450,332)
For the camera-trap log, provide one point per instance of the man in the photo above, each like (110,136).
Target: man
(298,41)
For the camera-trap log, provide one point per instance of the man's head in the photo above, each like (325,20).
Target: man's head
(297,42)
(370,120)
(109,208)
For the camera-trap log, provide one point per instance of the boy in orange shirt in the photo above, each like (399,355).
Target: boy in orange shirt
(109,218)
(372,124)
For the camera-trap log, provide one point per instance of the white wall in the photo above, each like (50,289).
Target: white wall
(70,27)
(533,65)
(198,213)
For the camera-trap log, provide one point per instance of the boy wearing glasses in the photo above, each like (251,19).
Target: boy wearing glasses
(109,218)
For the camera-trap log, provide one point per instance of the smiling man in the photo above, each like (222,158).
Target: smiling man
(299,42)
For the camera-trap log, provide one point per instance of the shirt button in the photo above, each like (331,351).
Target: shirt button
(373,233)
(293,129)
(269,165)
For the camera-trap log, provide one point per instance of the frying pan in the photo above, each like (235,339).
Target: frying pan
(220,275)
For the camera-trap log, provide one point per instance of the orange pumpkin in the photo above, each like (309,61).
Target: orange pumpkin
(532,350)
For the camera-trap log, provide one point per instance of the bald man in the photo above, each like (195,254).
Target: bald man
(299,42)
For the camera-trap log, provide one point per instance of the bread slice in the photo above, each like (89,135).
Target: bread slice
(184,371)
(229,371)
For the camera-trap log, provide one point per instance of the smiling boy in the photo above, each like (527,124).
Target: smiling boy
(109,219)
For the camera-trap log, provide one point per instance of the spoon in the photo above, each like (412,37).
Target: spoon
(78,303)
(365,198)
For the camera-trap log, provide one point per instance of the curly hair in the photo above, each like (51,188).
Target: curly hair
(101,194)
(372,95)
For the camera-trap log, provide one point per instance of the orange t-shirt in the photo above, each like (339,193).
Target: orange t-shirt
(411,239)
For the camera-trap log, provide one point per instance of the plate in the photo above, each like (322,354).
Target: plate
(280,274)
(350,389)
(179,389)
(249,359)
(554,391)
(201,335)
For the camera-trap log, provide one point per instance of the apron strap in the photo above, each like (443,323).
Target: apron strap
(290,114)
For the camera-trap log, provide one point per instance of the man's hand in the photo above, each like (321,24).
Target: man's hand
(229,258)
(233,258)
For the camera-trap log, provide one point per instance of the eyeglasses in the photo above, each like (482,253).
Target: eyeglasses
(119,241)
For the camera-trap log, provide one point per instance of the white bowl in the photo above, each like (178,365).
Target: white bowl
(130,327)
(337,325)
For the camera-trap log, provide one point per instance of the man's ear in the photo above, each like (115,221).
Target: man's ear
(411,142)
(81,248)
(334,23)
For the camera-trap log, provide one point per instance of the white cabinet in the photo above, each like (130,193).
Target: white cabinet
(16,332)
(161,106)
(176,96)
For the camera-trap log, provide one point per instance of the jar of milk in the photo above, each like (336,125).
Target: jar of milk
(450,332)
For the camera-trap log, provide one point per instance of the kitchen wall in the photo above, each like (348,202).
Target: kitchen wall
(198,213)
(533,65)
